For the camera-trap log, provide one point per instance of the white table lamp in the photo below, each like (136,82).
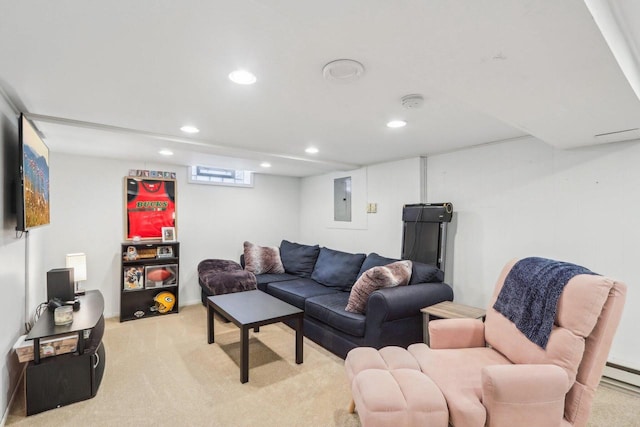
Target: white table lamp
(79,264)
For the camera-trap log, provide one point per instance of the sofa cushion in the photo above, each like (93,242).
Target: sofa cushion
(374,260)
(462,390)
(260,260)
(298,259)
(425,273)
(337,269)
(329,309)
(394,274)
(296,291)
(264,279)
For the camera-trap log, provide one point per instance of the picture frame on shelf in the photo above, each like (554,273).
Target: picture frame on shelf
(134,278)
(164,252)
(160,276)
(168,234)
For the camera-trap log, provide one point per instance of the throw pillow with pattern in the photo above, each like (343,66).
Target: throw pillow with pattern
(395,274)
(262,259)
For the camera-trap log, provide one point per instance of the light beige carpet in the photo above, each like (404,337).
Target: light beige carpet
(162,372)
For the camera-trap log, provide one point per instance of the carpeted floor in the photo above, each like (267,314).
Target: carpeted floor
(161,371)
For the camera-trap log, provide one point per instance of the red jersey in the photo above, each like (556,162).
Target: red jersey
(150,209)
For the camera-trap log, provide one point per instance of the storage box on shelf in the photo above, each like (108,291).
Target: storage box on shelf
(48,347)
(148,268)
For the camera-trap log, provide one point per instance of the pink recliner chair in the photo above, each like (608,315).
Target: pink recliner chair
(491,374)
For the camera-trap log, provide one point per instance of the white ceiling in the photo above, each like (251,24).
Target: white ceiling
(119,78)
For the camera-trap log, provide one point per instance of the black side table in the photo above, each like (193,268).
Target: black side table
(60,380)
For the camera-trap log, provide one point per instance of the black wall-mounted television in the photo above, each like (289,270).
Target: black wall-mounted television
(33,182)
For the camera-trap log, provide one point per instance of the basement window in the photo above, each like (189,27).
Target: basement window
(219,176)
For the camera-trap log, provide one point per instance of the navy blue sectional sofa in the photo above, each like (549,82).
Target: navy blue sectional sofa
(318,280)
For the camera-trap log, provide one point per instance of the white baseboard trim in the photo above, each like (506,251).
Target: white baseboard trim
(190,302)
(618,376)
(14,393)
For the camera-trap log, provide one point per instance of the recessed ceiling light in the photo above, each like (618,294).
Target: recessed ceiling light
(265,165)
(166,152)
(311,150)
(396,124)
(242,77)
(343,70)
(189,129)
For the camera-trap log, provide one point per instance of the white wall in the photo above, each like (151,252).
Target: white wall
(87,200)
(390,185)
(214,221)
(525,198)
(510,200)
(12,260)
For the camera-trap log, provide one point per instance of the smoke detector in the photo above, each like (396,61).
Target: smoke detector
(411,102)
(343,70)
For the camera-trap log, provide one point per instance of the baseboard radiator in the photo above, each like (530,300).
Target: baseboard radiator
(622,377)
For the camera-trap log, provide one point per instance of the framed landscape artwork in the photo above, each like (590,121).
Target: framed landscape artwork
(150,206)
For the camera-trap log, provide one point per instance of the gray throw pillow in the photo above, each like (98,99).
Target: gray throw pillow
(262,260)
(394,274)
(374,260)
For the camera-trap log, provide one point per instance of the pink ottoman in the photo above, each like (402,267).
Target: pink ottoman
(361,358)
(389,389)
(400,397)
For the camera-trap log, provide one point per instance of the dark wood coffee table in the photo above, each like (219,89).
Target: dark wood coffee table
(250,310)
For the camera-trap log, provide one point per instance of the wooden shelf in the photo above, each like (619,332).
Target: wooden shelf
(142,299)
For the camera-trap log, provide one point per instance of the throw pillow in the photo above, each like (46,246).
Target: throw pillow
(298,259)
(374,260)
(262,260)
(337,269)
(425,273)
(394,274)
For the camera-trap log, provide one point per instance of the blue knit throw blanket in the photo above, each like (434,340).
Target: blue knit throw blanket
(529,296)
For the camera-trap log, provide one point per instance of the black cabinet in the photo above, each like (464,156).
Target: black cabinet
(148,268)
(60,380)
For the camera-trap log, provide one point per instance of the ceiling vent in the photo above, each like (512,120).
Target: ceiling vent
(411,102)
(343,70)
